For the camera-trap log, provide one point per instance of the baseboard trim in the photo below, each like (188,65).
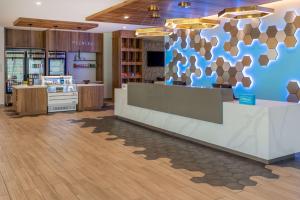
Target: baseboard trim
(213,146)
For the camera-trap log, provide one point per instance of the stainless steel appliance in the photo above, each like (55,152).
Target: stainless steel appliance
(15,71)
(57,63)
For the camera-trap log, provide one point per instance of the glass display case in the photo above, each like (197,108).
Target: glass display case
(62,93)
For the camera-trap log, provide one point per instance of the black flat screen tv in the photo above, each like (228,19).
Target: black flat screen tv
(155,58)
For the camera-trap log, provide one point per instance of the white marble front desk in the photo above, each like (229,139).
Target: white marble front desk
(266,132)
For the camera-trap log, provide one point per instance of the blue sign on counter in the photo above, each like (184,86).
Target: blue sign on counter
(247,99)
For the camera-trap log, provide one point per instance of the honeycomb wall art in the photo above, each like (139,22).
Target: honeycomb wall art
(257,56)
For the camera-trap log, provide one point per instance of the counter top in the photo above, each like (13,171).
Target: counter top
(266,103)
(90,84)
(29,86)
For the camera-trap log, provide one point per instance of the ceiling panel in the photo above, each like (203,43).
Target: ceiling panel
(139,15)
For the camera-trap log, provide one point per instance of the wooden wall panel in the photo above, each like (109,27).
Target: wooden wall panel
(15,38)
(58,40)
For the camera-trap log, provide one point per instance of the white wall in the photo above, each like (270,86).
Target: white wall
(107,64)
(1,65)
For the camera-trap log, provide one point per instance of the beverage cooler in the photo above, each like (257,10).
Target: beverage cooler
(35,63)
(15,71)
(57,63)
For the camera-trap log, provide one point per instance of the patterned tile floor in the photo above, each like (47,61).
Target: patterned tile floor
(220,168)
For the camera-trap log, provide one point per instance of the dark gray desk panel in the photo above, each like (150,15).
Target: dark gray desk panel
(198,103)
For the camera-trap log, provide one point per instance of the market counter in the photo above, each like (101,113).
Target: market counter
(33,100)
(266,132)
(30,100)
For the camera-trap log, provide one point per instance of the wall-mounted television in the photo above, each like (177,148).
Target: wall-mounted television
(155,58)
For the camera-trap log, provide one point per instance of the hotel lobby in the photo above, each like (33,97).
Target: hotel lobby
(149,99)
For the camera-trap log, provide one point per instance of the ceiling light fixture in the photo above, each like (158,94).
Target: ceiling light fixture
(153,32)
(153,8)
(38,3)
(126,17)
(191,23)
(184,4)
(246,12)
(155,15)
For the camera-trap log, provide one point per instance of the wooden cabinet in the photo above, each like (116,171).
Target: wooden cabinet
(90,96)
(15,38)
(30,100)
(73,41)
(58,40)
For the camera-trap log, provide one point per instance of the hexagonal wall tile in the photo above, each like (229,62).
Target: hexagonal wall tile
(183,44)
(234,31)
(255,33)
(293,87)
(272,43)
(246,82)
(247,29)
(227,46)
(183,60)
(239,76)
(188,72)
(192,68)
(208,46)
(298,94)
(264,60)
(227,27)
(272,31)
(226,66)
(255,23)
(220,80)
(233,22)
(232,71)
(214,66)
(239,66)
(272,54)
(202,51)
(232,81)
(225,76)
(198,72)
(220,61)
(208,55)
(208,71)
(290,41)
(263,37)
(220,71)
(247,61)
(197,38)
(290,29)
(290,16)
(297,22)
(234,41)
(214,41)
(241,35)
(192,59)
(248,40)
(293,98)
(234,51)
(280,36)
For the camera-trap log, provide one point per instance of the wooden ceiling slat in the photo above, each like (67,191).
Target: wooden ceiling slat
(45,23)
(137,10)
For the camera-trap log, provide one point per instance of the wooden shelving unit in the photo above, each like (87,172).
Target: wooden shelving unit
(127,58)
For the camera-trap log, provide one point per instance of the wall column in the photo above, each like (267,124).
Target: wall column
(2,66)
(107,64)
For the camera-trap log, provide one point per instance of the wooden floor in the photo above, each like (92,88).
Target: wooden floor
(66,156)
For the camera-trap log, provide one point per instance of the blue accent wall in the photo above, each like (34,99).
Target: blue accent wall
(268,82)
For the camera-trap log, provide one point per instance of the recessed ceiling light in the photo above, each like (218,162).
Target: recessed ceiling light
(38,3)
(126,17)
(124,27)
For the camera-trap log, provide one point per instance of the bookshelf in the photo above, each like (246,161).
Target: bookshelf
(127,58)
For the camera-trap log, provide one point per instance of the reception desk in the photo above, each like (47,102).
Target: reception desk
(267,132)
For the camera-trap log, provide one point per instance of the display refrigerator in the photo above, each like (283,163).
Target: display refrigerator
(62,93)
(35,67)
(57,63)
(15,71)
